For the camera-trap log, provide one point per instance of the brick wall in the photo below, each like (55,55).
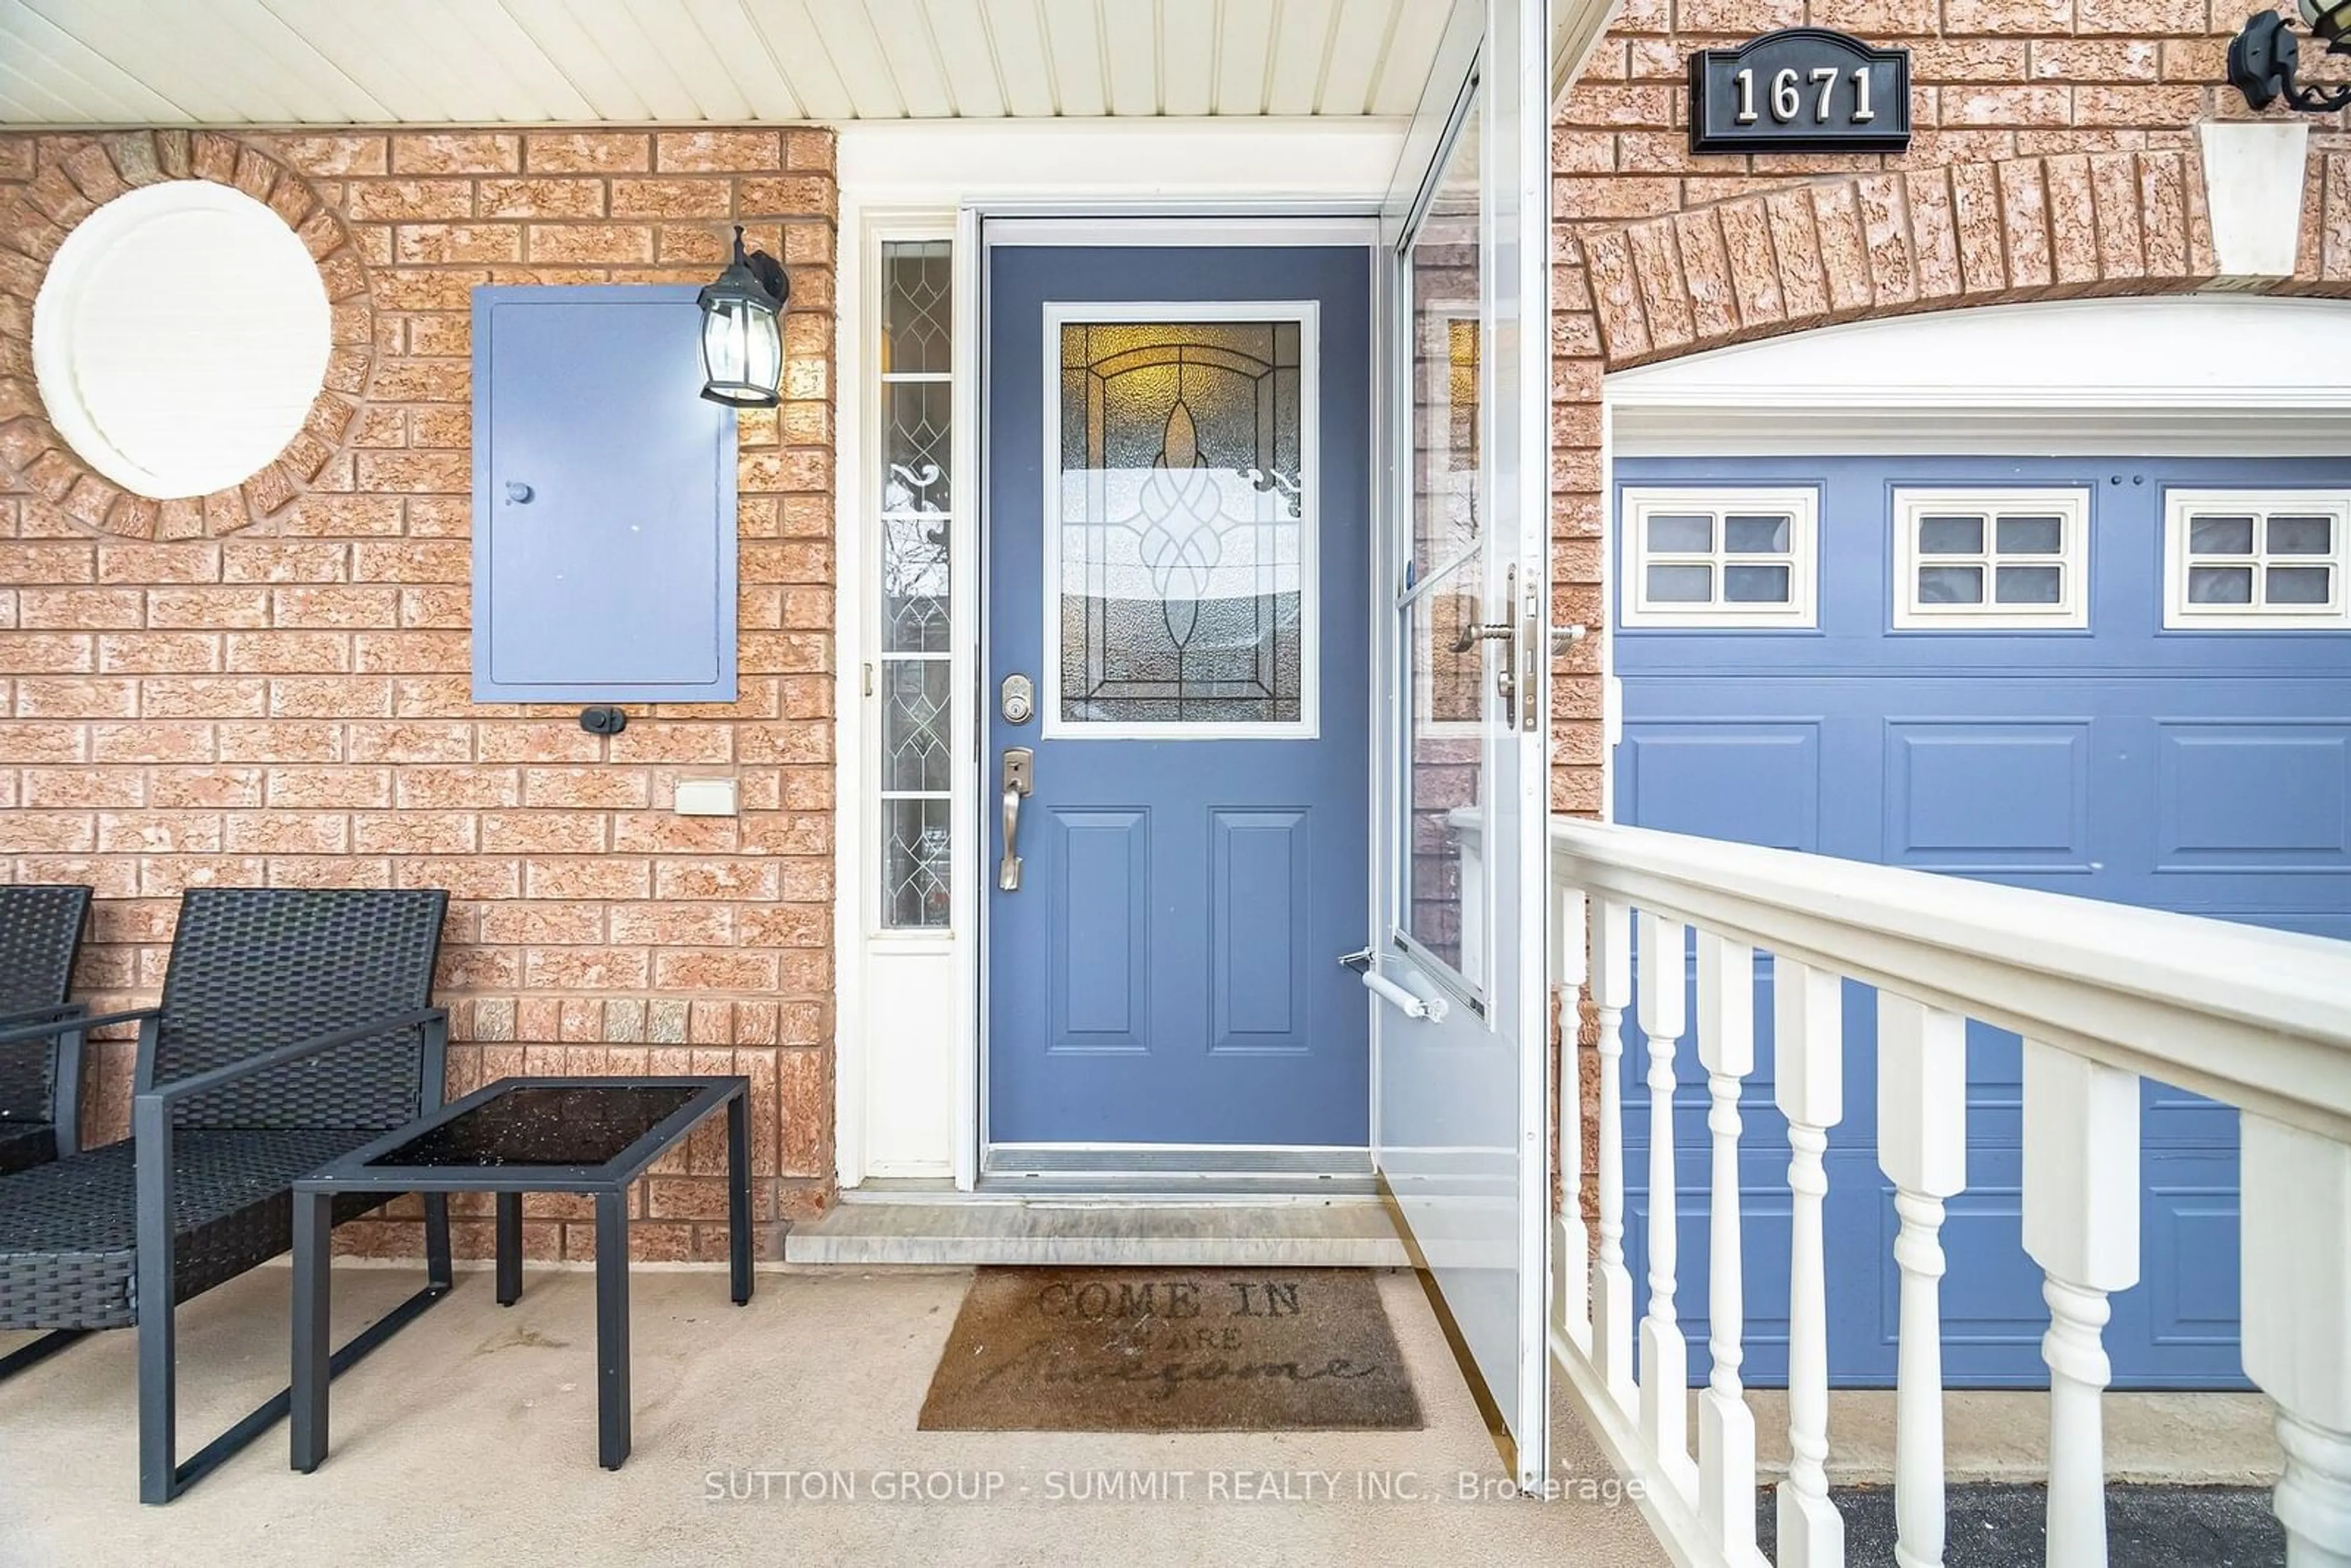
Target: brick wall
(269,685)
(2054,155)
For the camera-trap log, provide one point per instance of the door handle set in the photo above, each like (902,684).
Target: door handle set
(1020,781)
(1506,682)
(1479,631)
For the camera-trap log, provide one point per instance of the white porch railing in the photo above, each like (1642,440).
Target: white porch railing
(2102,995)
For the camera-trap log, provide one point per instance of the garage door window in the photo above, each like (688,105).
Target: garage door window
(1721,558)
(1990,559)
(2256,560)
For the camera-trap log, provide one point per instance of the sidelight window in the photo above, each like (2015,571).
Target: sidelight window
(917,524)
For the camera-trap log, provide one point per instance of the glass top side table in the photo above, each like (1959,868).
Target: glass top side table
(587,1135)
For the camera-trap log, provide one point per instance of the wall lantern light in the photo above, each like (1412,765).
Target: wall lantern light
(2262,59)
(742,335)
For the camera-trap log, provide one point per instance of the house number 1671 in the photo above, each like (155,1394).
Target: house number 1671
(1788,92)
(1787,96)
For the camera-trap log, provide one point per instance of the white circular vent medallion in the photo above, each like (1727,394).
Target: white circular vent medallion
(179,338)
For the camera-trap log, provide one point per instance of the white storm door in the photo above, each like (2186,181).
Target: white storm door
(1461,1085)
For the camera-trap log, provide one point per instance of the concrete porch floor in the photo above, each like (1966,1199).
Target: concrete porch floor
(470,1437)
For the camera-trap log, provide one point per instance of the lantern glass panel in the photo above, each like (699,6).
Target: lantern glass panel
(742,353)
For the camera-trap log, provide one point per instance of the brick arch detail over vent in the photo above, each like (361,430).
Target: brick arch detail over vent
(73,177)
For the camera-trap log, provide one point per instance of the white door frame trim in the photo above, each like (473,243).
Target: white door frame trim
(936,180)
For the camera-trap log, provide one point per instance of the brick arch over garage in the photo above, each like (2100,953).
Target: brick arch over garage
(1815,254)
(1818,253)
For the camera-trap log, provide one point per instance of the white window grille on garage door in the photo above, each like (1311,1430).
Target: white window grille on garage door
(1721,558)
(1990,559)
(2248,561)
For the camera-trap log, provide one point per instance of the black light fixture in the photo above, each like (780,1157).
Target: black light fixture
(742,335)
(2263,58)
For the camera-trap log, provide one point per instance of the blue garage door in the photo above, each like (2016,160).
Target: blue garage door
(2126,679)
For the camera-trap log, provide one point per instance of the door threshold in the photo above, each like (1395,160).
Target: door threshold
(1121,1187)
(1173,1163)
(1127,1187)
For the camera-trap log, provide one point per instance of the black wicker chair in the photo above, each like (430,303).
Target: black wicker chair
(293,1027)
(40,1079)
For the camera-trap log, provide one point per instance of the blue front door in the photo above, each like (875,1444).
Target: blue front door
(1178,530)
(2123,678)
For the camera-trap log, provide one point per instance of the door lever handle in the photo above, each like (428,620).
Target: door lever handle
(1019,780)
(1479,631)
(1506,678)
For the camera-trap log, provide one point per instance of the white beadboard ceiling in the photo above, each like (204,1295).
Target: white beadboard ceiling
(275,62)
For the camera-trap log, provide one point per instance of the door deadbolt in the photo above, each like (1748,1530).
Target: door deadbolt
(1018,701)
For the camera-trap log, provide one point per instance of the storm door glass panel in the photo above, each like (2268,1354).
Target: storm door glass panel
(1444,590)
(1447,765)
(1181,553)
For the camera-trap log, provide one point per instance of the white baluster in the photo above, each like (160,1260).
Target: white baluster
(1572,1243)
(1922,1147)
(2295,1212)
(1664,1352)
(1611,1303)
(1808,1084)
(1726,1426)
(2080,1225)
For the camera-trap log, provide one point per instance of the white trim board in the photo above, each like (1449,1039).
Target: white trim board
(2185,375)
(1154,165)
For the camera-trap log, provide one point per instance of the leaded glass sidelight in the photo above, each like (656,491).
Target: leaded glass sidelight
(1181,554)
(914,642)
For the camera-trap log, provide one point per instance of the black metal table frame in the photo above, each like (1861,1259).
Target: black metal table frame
(607,1183)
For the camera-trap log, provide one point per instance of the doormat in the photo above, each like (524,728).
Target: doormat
(1171,1349)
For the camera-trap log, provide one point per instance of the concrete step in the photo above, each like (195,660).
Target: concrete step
(1242,1230)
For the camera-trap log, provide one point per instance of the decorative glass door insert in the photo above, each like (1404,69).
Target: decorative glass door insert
(1180,536)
